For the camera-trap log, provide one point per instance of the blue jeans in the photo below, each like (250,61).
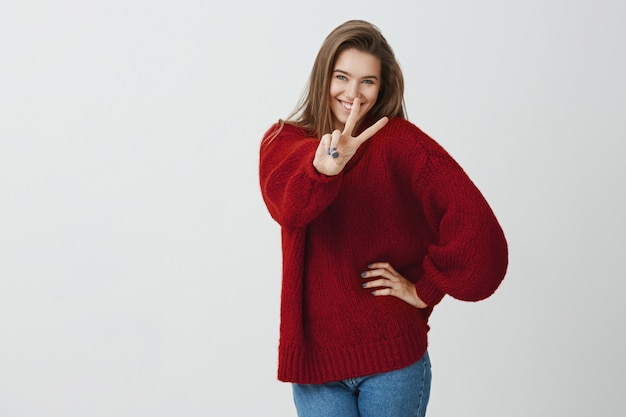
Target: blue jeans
(400,393)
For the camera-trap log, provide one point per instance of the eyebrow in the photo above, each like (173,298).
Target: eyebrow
(350,75)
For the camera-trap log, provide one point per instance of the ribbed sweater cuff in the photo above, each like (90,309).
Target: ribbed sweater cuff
(428,292)
(322,177)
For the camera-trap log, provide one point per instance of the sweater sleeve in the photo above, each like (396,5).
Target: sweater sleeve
(293,191)
(469,256)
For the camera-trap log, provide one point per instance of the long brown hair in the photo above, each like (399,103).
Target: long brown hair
(313,112)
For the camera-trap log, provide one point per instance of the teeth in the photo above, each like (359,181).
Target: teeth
(346,105)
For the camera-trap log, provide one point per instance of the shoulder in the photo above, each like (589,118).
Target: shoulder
(285,138)
(283,129)
(282,132)
(404,134)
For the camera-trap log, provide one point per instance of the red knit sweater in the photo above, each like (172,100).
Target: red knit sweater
(401,199)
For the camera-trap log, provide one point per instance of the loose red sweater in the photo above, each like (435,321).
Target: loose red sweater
(401,199)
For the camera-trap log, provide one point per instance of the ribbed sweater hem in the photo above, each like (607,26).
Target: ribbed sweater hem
(318,365)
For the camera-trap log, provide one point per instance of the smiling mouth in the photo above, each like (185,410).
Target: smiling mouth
(345,105)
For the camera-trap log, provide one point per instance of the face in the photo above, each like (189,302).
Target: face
(356,74)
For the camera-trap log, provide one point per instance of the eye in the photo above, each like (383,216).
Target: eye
(368,82)
(342,77)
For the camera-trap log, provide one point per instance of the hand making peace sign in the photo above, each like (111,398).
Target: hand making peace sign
(337,148)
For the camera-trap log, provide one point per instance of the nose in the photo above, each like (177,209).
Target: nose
(352,90)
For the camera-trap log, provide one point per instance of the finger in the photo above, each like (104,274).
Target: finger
(352,117)
(383,265)
(372,130)
(381,283)
(321,153)
(325,143)
(334,143)
(383,273)
(383,291)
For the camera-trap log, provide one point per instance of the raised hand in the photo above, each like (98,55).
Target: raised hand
(337,148)
(391,283)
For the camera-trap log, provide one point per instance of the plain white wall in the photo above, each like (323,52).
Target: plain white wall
(140,271)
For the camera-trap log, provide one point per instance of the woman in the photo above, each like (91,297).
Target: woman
(378,223)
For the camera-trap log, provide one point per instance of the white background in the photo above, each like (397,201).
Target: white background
(140,271)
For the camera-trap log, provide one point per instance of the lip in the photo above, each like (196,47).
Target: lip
(347,106)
